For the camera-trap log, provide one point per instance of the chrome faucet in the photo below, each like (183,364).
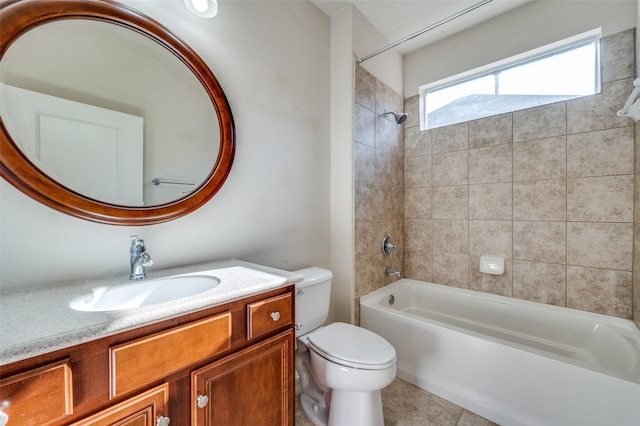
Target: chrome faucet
(139,258)
(389,271)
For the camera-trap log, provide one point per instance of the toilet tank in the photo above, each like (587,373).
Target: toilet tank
(312,299)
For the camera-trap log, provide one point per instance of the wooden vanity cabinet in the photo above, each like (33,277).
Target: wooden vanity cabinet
(239,354)
(140,410)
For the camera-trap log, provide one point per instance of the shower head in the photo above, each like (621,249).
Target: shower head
(400,118)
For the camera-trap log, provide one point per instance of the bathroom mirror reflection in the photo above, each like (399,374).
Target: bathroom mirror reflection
(105,111)
(107,115)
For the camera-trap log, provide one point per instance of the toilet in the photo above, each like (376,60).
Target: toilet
(342,367)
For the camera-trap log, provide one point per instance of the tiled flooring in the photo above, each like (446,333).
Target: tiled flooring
(407,405)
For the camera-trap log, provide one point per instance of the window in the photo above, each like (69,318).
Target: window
(561,71)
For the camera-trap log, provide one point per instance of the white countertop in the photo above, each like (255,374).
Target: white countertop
(36,321)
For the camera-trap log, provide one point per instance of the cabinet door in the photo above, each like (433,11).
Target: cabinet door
(251,387)
(141,410)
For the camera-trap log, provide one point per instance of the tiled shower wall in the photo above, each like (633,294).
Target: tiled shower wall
(636,233)
(549,189)
(379,187)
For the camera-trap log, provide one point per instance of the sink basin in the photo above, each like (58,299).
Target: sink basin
(143,293)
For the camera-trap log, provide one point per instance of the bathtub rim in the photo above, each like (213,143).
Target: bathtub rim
(376,300)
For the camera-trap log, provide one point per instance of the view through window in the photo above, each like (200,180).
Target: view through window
(559,72)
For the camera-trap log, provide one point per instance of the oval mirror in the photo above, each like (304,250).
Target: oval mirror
(106,115)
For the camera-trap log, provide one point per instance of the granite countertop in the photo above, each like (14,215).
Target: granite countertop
(36,321)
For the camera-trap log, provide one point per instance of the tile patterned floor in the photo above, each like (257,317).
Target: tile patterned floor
(407,405)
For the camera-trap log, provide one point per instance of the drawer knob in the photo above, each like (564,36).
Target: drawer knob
(275,316)
(202,400)
(163,421)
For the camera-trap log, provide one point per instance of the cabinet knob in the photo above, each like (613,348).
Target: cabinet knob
(275,316)
(163,421)
(202,401)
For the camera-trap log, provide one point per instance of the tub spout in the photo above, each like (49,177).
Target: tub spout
(389,271)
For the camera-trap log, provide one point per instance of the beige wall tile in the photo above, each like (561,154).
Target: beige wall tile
(540,122)
(365,238)
(491,164)
(412,109)
(451,236)
(600,199)
(450,202)
(540,282)
(416,143)
(417,171)
(601,153)
(491,238)
(364,125)
(364,158)
(388,137)
(600,245)
(451,269)
(365,88)
(617,56)
(450,138)
(490,201)
(389,169)
(388,202)
(540,241)
(598,112)
(387,100)
(450,168)
(418,265)
(491,131)
(540,159)
(540,200)
(599,290)
(417,234)
(365,201)
(488,283)
(636,299)
(369,275)
(417,203)
(393,228)
(636,257)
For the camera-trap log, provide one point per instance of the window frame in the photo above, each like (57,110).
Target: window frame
(565,45)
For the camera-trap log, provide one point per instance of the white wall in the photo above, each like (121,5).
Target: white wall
(533,25)
(272,59)
(342,193)
(387,66)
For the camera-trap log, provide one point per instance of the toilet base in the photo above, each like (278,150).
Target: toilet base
(318,415)
(355,409)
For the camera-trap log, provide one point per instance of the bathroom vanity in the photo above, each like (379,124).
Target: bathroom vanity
(229,362)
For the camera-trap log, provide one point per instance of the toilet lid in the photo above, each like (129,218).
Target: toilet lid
(352,346)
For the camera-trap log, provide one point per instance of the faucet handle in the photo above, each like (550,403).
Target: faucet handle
(137,244)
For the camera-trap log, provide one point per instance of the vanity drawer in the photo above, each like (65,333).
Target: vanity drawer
(39,396)
(140,362)
(268,315)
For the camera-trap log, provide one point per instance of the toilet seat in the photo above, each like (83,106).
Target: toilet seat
(352,346)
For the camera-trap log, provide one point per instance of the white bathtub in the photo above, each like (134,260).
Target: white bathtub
(511,361)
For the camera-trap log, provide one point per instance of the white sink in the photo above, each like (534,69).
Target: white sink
(143,293)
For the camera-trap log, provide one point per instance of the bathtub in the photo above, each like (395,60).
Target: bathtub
(512,361)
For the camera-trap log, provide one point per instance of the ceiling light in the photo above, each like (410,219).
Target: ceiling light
(202,8)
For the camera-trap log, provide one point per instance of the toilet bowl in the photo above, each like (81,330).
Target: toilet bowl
(342,367)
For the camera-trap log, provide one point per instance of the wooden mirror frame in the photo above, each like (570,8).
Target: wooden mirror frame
(18,17)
